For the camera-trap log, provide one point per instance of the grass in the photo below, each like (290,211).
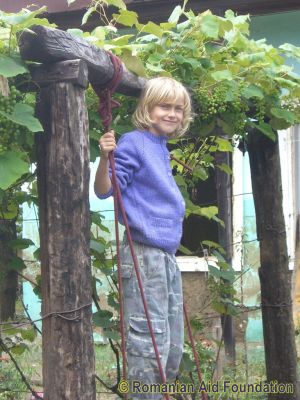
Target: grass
(105,365)
(30,363)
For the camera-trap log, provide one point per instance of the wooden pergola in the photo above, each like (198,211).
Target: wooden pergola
(68,65)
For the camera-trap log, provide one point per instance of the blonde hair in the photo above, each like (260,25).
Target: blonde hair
(157,91)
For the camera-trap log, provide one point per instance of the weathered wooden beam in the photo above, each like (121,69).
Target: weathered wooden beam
(48,45)
(72,71)
(63,186)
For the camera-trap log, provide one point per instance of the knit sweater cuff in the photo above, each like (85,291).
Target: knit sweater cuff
(106,195)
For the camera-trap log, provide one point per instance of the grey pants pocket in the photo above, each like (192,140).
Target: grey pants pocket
(139,342)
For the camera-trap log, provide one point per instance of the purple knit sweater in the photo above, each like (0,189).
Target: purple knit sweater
(153,203)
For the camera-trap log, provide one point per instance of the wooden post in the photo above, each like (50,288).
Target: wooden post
(224,196)
(63,186)
(8,277)
(274,274)
(8,232)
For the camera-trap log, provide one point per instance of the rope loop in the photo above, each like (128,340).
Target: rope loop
(105,92)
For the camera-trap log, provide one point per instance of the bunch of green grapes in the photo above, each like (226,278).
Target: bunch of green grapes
(10,132)
(260,109)
(214,102)
(292,105)
(211,101)
(237,110)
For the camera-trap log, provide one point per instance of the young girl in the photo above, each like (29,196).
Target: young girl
(155,209)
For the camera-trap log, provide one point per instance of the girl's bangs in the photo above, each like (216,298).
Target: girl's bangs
(171,95)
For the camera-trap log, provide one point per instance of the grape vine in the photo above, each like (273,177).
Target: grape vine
(13,137)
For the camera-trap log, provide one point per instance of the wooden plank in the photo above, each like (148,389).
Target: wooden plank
(48,45)
(63,187)
(72,71)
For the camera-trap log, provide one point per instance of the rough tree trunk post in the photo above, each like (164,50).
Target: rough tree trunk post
(8,277)
(275,277)
(63,185)
(63,181)
(224,194)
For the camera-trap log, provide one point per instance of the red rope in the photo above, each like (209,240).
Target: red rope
(106,104)
(203,394)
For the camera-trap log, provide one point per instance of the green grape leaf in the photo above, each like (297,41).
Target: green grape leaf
(284,114)
(10,211)
(185,250)
(97,246)
(126,18)
(187,364)
(20,243)
(200,172)
(133,63)
(152,28)
(225,126)
(214,245)
(11,66)
(19,349)
(117,3)
(252,91)
(206,129)
(87,14)
(174,17)
(224,144)
(16,264)
(12,167)
(219,307)
(210,26)
(290,50)
(102,318)
(111,301)
(254,58)
(23,114)
(222,75)
(37,254)
(217,273)
(10,330)
(24,17)
(114,335)
(225,168)
(28,334)
(208,212)
(266,130)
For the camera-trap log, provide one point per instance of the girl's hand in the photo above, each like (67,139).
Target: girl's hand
(107,143)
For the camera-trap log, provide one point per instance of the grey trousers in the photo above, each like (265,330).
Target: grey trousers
(161,279)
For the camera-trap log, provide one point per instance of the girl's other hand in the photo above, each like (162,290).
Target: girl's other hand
(107,143)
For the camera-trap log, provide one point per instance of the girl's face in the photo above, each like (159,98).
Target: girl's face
(167,117)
